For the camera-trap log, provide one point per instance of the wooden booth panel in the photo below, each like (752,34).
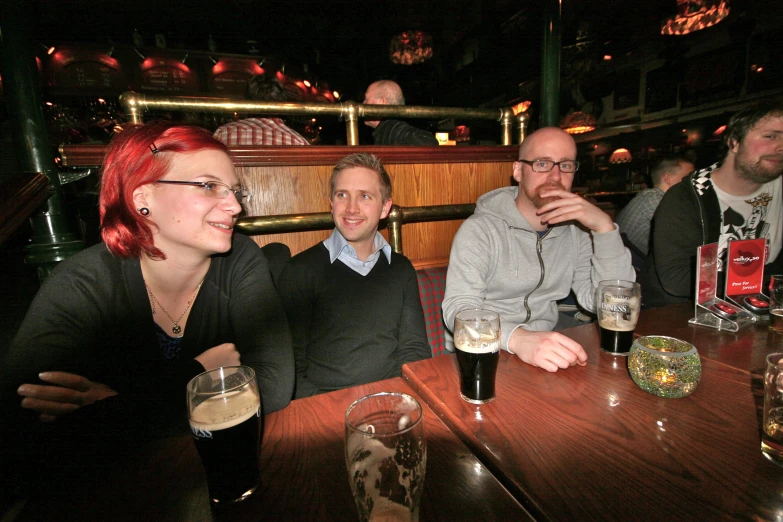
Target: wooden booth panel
(305,189)
(295,180)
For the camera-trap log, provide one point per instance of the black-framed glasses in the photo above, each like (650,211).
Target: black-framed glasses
(214,189)
(567,166)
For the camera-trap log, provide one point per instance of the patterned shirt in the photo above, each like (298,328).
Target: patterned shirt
(634,220)
(258,131)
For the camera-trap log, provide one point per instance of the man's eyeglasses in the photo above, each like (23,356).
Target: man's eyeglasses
(566,166)
(214,189)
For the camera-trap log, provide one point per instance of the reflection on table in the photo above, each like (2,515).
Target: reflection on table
(587,444)
(303,472)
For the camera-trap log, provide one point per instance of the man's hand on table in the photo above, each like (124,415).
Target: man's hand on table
(67,393)
(550,351)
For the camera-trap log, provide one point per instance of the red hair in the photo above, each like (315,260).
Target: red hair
(130,163)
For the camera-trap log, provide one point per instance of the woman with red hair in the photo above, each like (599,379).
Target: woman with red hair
(116,331)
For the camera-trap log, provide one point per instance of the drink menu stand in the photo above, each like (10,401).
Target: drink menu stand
(710,310)
(745,277)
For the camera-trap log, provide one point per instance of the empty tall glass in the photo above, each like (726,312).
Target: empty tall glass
(386,456)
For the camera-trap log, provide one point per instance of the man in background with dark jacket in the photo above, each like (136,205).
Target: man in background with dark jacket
(393,132)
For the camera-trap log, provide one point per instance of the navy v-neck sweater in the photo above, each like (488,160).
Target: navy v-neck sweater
(350,329)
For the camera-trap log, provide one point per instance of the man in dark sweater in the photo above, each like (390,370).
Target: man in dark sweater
(394,132)
(353,304)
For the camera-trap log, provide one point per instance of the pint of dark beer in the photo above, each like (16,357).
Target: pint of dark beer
(617,304)
(477,343)
(224,408)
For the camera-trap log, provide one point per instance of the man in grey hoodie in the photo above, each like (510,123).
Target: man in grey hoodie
(522,251)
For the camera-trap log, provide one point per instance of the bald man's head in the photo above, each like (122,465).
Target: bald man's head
(547,144)
(384,92)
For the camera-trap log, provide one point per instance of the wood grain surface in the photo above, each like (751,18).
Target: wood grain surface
(295,180)
(745,350)
(305,189)
(304,475)
(587,444)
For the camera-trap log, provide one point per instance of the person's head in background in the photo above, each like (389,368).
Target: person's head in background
(383,92)
(753,142)
(668,171)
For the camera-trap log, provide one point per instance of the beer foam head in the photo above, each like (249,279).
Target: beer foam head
(225,411)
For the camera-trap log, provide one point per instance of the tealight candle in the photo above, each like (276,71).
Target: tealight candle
(664,366)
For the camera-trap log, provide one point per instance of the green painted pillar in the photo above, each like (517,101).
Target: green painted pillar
(53,237)
(550,64)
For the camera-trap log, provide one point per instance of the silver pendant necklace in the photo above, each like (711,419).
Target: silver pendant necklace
(154,301)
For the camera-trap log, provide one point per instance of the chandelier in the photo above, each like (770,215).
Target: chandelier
(578,122)
(410,48)
(620,156)
(693,15)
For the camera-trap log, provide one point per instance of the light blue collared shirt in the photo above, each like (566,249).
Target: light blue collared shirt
(339,248)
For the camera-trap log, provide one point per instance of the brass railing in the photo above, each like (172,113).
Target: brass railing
(398,216)
(253,226)
(135,104)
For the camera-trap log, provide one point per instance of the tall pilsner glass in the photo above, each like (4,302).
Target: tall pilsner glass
(386,456)
(617,304)
(477,343)
(224,408)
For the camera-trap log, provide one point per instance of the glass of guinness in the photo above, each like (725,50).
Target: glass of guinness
(477,340)
(224,409)
(617,304)
(386,456)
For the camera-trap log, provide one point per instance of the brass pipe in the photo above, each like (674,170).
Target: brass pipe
(523,120)
(437,212)
(398,216)
(258,225)
(394,221)
(351,123)
(506,121)
(135,103)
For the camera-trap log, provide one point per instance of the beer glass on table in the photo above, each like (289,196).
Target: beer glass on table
(617,304)
(224,408)
(477,343)
(776,303)
(772,432)
(386,456)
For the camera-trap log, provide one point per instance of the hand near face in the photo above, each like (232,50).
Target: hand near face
(570,206)
(547,350)
(67,393)
(221,355)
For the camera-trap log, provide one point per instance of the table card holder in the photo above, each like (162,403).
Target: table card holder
(745,276)
(710,310)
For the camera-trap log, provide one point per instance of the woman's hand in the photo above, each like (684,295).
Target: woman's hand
(68,393)
(221,355)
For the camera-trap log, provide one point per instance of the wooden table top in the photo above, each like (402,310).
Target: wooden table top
(745,350)
(303,472)
(587,444)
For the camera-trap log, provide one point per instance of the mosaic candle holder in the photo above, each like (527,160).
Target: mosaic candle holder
(664,366)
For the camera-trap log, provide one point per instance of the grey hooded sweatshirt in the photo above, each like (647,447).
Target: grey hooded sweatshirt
(499,262)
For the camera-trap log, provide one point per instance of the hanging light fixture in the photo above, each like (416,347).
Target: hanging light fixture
(694,15)
(410,48)
(578,122)
(620,156)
